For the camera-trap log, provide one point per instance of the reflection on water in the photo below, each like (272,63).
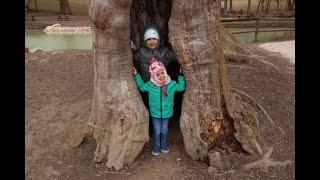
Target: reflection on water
(38,39)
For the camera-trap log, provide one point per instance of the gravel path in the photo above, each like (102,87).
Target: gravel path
(285,48)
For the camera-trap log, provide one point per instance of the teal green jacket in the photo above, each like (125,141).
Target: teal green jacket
(160,106)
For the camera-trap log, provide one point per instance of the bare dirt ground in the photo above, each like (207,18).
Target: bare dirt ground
(58,100)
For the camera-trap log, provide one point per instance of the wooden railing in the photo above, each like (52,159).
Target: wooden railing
(257,25)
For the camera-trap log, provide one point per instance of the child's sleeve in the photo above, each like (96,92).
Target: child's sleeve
(181,85)
(139,82)
(136,59)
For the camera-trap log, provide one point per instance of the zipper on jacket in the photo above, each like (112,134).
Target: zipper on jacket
(161,103)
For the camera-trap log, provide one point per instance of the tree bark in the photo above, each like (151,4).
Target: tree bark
(208,112)
(64,7)
(119,120)
(210,116)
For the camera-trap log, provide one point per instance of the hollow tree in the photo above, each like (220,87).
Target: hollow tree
(210,114)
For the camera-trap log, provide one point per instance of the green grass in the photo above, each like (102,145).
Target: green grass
(53,5)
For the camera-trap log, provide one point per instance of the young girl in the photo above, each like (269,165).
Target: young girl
(161,90)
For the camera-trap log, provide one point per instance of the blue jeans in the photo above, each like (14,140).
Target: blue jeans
(160,127)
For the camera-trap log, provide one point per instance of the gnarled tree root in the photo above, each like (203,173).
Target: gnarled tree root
(265,162)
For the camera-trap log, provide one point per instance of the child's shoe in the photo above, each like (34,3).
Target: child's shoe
(165,150)
(155,153)
(156,150)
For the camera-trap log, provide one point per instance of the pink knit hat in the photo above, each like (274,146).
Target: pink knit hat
(154,67)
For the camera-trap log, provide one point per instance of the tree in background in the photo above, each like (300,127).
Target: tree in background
(64,7)
(261,6)
(230,6)
(290,4)
(249,8)
(268,5)
(225,8)
(28,5)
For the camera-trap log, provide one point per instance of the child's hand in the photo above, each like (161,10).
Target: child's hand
(134,71)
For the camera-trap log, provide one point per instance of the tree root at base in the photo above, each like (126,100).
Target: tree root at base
(265,162)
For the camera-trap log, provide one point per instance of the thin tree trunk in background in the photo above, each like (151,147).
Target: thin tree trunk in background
(249,8)
(225,8)
(268,6)
(28,5)
(230,5)
(262,5)
(290,4)
(64,7)
(35,3)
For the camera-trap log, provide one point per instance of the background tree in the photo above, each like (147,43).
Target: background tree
(36,5)
(290,4)
(249,8)
(269,4)
(225,8)
(28,5)
(211,116)
(230,5)
(260,7)
(64,7)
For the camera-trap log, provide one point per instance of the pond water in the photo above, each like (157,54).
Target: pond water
(39,39)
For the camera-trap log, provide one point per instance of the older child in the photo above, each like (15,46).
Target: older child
(161,90)
(152,48)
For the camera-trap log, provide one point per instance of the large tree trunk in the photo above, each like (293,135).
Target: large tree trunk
(119,120)
(210,113)
(64,7)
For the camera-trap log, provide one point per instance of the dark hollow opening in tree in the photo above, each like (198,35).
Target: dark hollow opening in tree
(144,13)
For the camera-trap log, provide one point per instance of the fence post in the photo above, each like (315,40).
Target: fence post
(257,30)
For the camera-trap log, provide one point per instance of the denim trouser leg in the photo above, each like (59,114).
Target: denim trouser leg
(164,133)
(156,134)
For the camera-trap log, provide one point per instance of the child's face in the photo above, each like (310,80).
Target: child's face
(161,76)
(152,42)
